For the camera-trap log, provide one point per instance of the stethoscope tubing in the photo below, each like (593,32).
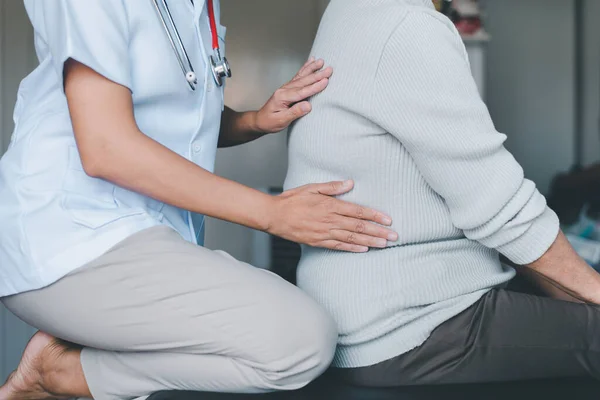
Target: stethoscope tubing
(174,45)
(220,66)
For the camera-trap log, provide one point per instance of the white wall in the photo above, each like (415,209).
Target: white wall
(531,82)
(267,41)
(591,104)
(17,58)
(322,5)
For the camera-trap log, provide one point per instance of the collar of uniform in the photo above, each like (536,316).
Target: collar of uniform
(198,7)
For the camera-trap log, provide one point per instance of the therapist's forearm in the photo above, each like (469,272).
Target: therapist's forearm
(238,128)
(112,147)
(158,172)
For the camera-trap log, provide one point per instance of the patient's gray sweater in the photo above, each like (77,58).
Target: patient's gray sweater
(403,118)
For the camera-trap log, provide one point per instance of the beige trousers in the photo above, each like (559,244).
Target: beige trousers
(158,313)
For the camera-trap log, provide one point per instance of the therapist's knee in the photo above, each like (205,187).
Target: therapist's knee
(303,345)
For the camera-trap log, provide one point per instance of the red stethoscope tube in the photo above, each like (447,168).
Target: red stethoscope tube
(213,25)
(220,66)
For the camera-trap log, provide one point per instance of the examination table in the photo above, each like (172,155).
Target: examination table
(325,388)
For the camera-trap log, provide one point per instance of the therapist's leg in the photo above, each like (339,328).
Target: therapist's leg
(157,313)
(506,336)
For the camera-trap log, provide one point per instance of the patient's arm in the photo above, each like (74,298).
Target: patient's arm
(562,274)
(425,96)
(545,285)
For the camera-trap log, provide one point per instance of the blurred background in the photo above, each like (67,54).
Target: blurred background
(536,62)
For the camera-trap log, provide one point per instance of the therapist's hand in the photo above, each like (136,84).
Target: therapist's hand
(310,215)
(289,103)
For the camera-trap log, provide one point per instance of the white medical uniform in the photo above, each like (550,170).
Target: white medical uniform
(54,217)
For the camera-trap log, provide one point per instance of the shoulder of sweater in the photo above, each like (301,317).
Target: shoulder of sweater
(416,24)
(423,37)
(422,20)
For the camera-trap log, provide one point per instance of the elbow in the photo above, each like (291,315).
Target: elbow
(102,154)
(94,161)
(107,157)
(93,167)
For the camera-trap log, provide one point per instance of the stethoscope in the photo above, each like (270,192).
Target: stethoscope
(219,65)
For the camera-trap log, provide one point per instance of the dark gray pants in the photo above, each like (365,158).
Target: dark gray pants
(506,336)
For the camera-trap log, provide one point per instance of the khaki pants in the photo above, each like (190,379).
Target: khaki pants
(158,313)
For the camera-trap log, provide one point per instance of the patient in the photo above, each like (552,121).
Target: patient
(403,118)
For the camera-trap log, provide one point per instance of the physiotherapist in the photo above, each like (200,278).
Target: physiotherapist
(102,197)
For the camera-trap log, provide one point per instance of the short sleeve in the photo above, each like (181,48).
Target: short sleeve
(92,32)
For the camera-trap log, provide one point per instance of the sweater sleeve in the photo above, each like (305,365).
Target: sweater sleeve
(425,96)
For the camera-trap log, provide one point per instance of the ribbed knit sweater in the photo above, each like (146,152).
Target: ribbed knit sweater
(402,117)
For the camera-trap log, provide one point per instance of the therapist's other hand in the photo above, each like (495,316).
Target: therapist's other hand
(310,215)
(289,103)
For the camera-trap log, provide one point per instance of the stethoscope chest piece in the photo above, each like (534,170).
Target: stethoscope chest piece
(220,69)
(191,78)
(219,65)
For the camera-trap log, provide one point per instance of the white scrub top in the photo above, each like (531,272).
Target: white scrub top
(53,217)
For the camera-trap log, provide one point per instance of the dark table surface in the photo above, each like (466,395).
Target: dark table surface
(564,389)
